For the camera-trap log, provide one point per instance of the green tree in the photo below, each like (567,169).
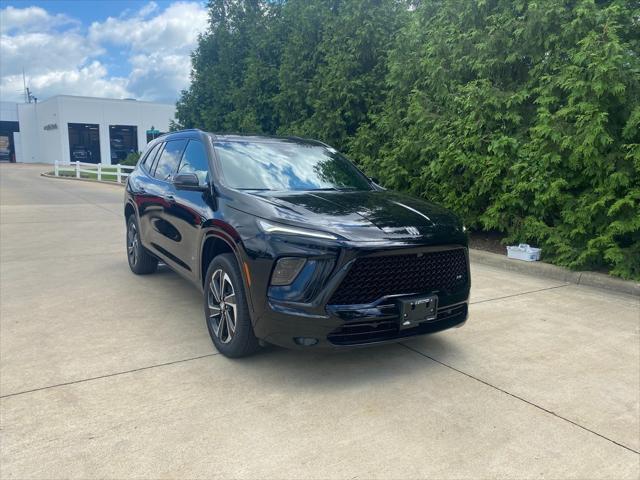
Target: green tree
(520,116)
(304,26)
(349,80)
(232,79)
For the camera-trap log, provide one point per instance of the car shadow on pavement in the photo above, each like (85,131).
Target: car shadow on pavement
(344,369)
(322,368)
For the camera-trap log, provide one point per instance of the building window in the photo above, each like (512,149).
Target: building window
(84,142)
(7,148)
(123,140)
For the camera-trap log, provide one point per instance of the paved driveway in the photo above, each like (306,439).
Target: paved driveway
(106,374)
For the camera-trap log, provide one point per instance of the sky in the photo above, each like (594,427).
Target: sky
(102,48)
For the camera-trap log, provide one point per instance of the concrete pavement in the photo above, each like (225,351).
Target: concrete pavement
(104,374)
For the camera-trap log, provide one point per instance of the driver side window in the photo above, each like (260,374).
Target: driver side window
(194,160)
(169,159)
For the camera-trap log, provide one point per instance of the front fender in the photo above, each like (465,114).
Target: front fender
(222,231)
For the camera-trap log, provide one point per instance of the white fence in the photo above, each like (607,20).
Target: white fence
(117,173)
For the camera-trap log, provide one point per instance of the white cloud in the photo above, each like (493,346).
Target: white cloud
(148,9)
(90,80)
(174,30)
(39,53)
(59,58)
(32,19)
(160,46)
(159,76)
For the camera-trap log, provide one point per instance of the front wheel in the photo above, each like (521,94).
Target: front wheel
(141,262)
(226,311)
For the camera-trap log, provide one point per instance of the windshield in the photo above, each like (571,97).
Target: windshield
(285,165)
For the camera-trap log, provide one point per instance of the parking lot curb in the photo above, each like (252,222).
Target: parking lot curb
(541,269)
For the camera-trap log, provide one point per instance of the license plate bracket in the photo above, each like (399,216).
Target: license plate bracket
(417,309)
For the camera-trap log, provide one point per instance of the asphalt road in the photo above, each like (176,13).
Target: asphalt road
(104,374)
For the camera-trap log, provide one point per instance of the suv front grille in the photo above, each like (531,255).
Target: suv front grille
(371,278)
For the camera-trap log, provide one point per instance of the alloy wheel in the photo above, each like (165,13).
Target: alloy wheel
(221,300)
(132,243)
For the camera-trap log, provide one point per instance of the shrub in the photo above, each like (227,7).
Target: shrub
(132,159)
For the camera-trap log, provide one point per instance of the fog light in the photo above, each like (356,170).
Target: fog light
(305,341)
(286,270)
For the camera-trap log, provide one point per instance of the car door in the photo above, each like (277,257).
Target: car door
(159,232)
(190,206)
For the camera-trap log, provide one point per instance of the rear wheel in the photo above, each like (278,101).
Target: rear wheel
(141,261)
(226,311)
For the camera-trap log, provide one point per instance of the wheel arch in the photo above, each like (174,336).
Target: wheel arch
(215,243)
(129,210)
(213,246)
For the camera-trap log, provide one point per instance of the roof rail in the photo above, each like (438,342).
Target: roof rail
(185,130)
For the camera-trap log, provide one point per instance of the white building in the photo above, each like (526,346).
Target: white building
(96,130)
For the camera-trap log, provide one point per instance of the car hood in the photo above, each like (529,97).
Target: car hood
(361,216)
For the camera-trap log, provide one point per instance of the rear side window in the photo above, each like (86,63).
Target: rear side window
(148,158)
(195,161)
(169,159)
(153,162)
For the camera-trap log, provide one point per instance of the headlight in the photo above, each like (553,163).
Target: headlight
(286,270)
(464,229)
(269,227)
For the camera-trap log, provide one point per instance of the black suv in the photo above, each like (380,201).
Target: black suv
(292,244)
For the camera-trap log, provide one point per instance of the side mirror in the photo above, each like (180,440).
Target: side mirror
(188,181)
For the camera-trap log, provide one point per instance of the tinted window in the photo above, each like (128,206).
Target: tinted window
(285,165)
(154,162)
(169,159)
(194,160)
(151,154)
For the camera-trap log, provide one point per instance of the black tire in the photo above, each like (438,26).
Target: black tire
(141,262)
(231,341)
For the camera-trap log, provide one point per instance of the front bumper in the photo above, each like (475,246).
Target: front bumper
(320,324)
(373,328)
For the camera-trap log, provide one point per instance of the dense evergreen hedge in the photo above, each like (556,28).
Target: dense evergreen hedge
(521,116)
